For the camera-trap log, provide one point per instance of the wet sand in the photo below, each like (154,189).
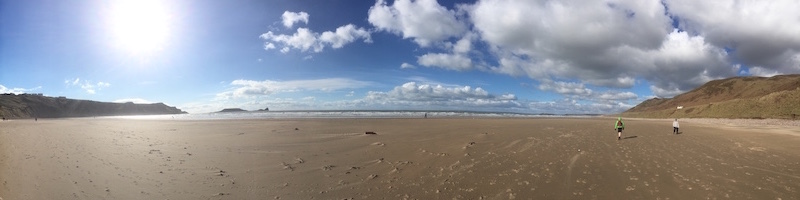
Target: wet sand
(405,159)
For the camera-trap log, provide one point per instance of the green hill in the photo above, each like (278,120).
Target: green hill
(739,97)
(36,105)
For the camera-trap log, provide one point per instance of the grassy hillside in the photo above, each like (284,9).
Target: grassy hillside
(739,97)
(30,106)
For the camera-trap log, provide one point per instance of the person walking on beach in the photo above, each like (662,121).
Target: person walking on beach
(675,126)
(619,126)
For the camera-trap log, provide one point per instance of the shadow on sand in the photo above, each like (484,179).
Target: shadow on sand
(630,137)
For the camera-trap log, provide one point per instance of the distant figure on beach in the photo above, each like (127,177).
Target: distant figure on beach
(675,126)
(619,126)
(426,115)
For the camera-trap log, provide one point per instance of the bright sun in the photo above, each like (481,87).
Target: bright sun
(139,26)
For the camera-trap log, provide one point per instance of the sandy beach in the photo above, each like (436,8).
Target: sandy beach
(406,159)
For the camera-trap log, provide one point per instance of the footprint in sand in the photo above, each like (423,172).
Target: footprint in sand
(373,176)
(469,145)
(761,149)
(287,166)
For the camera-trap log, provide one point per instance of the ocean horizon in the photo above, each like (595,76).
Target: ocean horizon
(317,114)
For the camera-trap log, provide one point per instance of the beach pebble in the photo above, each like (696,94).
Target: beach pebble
(371,133)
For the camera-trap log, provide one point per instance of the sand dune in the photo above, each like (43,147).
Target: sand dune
(406,159)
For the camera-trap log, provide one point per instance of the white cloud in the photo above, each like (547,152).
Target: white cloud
(464,45)
(763,72)
(456,62)
(407,66)
(529,27)
(761,33)
(427,81)
(344,35)
(88,86)
(594,102)
(665,92)
(579,90)
(565,88)
(599,43)
(5,90)
(269,46)
(507,97)
(305,40)
(572,106)
(683,63)
(309,98)
(423,92)
(133,100)
(289,18)
(572,40)
(411,94)
(616,96)
(424,21)
(251,88)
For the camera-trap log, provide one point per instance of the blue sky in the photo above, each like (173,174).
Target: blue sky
(487,55)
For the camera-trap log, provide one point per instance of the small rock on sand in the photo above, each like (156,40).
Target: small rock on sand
(371,133)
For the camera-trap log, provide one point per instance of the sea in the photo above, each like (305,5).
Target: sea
(344,114)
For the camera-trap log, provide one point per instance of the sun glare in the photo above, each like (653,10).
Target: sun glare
(139,27)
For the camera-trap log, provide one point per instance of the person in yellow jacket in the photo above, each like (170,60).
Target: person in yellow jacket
(619,125)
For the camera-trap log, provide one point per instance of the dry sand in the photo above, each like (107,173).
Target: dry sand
(406,159)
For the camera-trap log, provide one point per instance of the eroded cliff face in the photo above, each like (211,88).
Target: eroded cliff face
(32,105)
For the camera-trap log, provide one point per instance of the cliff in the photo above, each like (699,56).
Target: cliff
(775,97)
(231,110)
(37,105)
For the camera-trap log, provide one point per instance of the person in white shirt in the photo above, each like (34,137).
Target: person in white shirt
(675,126)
